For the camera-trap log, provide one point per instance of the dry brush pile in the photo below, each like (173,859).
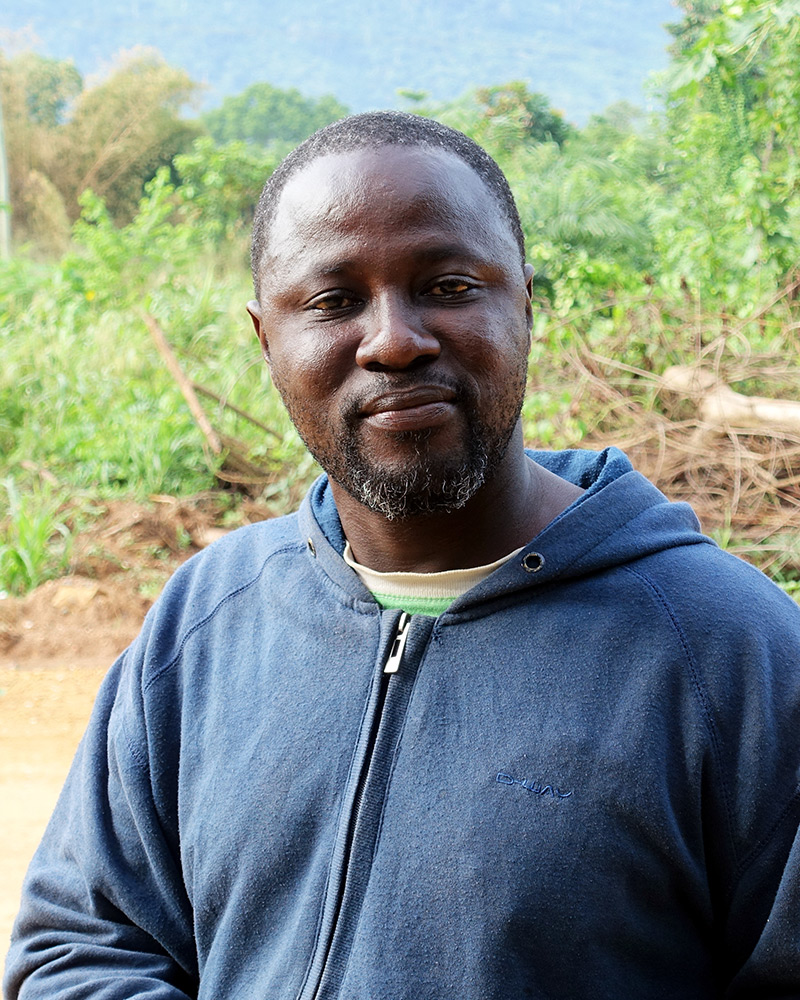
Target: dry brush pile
(719,429)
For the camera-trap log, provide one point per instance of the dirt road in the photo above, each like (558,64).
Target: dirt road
(42,715)
(55,647)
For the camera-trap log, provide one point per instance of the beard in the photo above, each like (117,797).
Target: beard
(429,485)
(429,480)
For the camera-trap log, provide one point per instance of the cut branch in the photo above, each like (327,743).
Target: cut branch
(720,406)
(234,468)
(235,409)
(197,411)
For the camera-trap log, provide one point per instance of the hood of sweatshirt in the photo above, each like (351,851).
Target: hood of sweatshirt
(620,518)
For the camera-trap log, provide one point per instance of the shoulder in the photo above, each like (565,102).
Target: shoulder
(740,635)
(713,593)
(240,553)
(224,580)
(233,561)
(739,640)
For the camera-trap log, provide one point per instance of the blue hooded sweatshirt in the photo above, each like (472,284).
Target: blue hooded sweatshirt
(582,782)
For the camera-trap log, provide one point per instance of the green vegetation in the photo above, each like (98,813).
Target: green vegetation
(658,242)
(34,544)
(265,114)
(63,139)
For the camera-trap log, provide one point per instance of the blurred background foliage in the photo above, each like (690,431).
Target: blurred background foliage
(658,240)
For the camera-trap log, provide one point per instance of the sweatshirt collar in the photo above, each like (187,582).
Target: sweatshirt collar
(620,517)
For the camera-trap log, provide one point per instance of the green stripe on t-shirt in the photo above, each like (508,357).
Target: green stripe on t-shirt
(431,606)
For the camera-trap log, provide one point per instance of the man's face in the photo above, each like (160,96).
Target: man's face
(395,315)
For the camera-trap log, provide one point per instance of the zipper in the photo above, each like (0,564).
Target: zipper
(391,691)
(395,656)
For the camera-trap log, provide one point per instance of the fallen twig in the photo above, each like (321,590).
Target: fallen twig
(235,409)
(166,352)
(234,468)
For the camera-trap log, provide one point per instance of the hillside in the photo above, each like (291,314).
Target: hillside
(583,54)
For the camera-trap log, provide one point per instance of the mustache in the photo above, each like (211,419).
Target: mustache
(354,402)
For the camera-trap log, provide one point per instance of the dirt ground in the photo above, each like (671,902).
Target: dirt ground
(55,647)
(42,715)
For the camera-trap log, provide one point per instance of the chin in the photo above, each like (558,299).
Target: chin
(423,488)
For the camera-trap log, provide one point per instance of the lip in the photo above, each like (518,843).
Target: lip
(410,409)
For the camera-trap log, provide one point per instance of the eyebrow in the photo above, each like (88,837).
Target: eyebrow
(425,256)
(453,250)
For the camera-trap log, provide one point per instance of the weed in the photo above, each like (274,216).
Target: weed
(84,394)
(34,542)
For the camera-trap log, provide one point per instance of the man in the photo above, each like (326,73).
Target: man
(473,723)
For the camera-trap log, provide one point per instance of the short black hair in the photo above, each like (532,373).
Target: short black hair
(371,130)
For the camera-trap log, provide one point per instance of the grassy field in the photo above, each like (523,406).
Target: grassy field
(90,412)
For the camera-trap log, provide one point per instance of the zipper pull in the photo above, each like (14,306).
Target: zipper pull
(396,654)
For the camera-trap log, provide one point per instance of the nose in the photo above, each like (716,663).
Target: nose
(394,337)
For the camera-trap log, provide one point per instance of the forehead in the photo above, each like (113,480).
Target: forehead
(370,195)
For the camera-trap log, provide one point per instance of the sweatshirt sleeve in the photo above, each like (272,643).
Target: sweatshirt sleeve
(752,662)
(762,920)
(105,913)
(772,970)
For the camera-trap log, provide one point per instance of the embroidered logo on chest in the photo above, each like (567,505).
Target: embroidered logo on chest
(535,787)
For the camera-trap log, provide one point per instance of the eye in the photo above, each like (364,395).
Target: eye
(333,300)
(450,288)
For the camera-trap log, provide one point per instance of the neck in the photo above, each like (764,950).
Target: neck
(510,509)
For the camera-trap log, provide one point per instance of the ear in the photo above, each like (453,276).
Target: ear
(528,272)
(255,315)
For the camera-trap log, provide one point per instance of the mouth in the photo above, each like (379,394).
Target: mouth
(411,409)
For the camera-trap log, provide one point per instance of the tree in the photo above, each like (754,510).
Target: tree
(696,15)
(5,203)
(36,94)
(220,185)
(264,114)
(534,119)
(733,221)
(502,119)
(113,137)
(122,130)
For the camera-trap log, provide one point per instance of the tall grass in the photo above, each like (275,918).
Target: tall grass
(34,541)
(86,399)
(85,395)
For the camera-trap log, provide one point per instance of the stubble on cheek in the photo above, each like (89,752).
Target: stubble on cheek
(407,473)
(418,479)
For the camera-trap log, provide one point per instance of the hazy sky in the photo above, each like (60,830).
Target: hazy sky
(583,53)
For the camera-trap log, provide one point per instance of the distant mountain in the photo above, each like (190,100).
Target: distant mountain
(584,54)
